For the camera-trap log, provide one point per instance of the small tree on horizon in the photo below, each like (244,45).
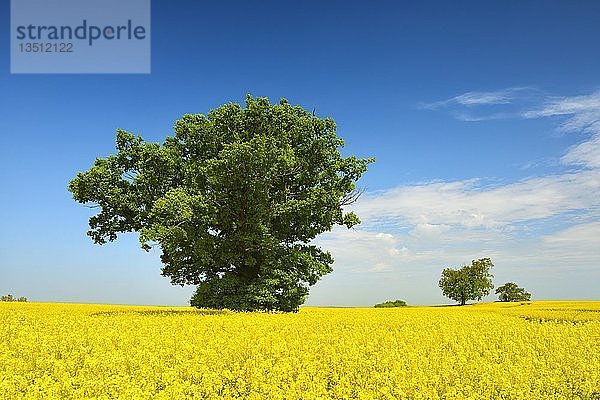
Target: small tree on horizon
(510,291)
(471,282)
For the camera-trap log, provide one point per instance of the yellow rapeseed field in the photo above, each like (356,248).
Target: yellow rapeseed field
(538,350)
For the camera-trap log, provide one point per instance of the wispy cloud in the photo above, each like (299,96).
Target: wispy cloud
(469,117)
(470,99)
(483,106)
(568,105)
(586,153)
(467,204)
(579,114)
(582,112)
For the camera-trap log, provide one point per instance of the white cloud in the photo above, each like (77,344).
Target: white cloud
(466,204)
(568,105)
(582,115)
(586,234)
(486,106)
(362,251)
(427,230)
(476,98)
(467,117)
(586,153)
(583,112)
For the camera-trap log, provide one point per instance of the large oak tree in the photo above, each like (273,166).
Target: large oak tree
(232,200)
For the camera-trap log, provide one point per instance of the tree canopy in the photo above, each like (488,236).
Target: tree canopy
(471,282)
(510,291)
(232,200)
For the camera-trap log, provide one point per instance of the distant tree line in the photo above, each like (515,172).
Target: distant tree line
(9,297)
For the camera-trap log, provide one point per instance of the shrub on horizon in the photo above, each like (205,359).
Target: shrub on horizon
(389,304)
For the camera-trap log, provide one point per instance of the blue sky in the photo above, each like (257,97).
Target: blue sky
(483,117)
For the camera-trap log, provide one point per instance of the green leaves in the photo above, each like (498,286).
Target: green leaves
(391,304)
(232,200)
(471,282)
(510,291)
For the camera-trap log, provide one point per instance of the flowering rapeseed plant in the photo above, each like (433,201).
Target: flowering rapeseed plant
(538,350)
